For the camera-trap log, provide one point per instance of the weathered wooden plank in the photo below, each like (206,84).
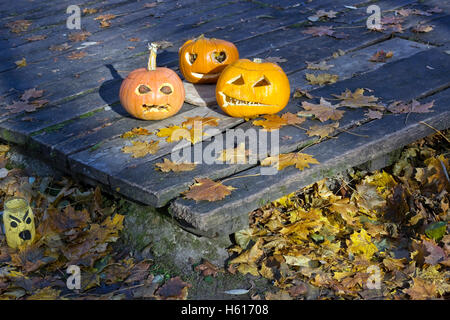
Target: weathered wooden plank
(133,182)
(335,155)
(201,95)
(108,159)
(439,36)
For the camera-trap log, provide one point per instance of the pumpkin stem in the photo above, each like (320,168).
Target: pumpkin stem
(257,60)
(153,47)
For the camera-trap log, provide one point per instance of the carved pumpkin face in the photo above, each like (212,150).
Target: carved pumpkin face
(202,59)
(152,93)
(247,88)
(18,219)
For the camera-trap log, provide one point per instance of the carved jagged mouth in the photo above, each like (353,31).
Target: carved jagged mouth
(204,75)
(156,108)
(230,101)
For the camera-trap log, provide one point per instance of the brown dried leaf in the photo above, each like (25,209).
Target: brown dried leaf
(272,122)
(319,66)
(302,93)
(140,149)
(76,55)
(381,56)
(422,290)
(174,289)
(319,31)
(322,130)
(19,26)
(61,47)
(321,79)
(31,94)
(422,28)
(206,189)
(168,165)
(201,121)
(323,111)
(413,107)
(79,36)
(133,133)
(357,99)
(37,38)
(207,269)
(300,160)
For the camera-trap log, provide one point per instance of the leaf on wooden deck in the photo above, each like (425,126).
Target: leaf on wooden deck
(381,56)
(18,26)
(31,94)
(319,31)
(413,107)
(37,38)
(235,155)
(323,111)
(299,93)
(275,122)
(422,28)
(168,165)
(61,47)
(21,63)
(322,14)
(89,11)
(133,133)
(176,133)
(322,130)
(374,114)
(292,119)
(200,121)
(323,66)
(104,20)
(357,99)
(79,36)
(163,44)
(76,55)
(321,79)
(206,189)
(300,160)
(140,149)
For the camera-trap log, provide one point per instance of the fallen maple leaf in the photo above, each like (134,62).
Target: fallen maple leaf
(140,149)
(76,55)
(319,31)
(135,132)
(79,36)
(321,79)
(207,269)
(357,99)
(61,47)
(319,66)
(323,111)
(422,28)
(206,189)
(422,290)
(298,93)
(435,253)
(89,10)
(322,14)
(21,63)
(174,289)
(272,122)
(18,26)
(31,94)
(300,160)
(374,114)
(200,121)
(381,56)
(413,107)
(168,165)
(322,130)
(37,38)
(234,155)
(361,244)
(292,119)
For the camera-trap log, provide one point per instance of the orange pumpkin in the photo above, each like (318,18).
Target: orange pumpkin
(250,88)
(152,93)
(202,59)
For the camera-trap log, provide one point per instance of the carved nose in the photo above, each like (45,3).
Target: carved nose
(25,235)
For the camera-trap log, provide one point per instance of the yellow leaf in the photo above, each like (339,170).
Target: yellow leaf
(300,160)
(361,244)
(321,79)
(140,149)
(21,63)
(169,165)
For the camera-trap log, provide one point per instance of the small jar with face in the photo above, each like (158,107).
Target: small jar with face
(18,220)
(250,88)
(202,59)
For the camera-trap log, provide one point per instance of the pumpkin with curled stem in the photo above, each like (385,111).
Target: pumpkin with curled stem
(152,93)
(250,88)
(202,59)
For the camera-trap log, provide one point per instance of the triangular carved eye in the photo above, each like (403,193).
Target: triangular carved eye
(239,80)
(262,82)
(191,57)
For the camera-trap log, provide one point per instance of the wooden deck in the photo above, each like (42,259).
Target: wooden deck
(79,130)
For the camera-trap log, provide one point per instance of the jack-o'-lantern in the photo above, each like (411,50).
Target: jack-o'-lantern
(18,220)
(154,93)
(202,59)
(250,88)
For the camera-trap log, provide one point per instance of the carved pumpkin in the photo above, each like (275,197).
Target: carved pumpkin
(18,220)
(152,93)
(250,88)
(202,59)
